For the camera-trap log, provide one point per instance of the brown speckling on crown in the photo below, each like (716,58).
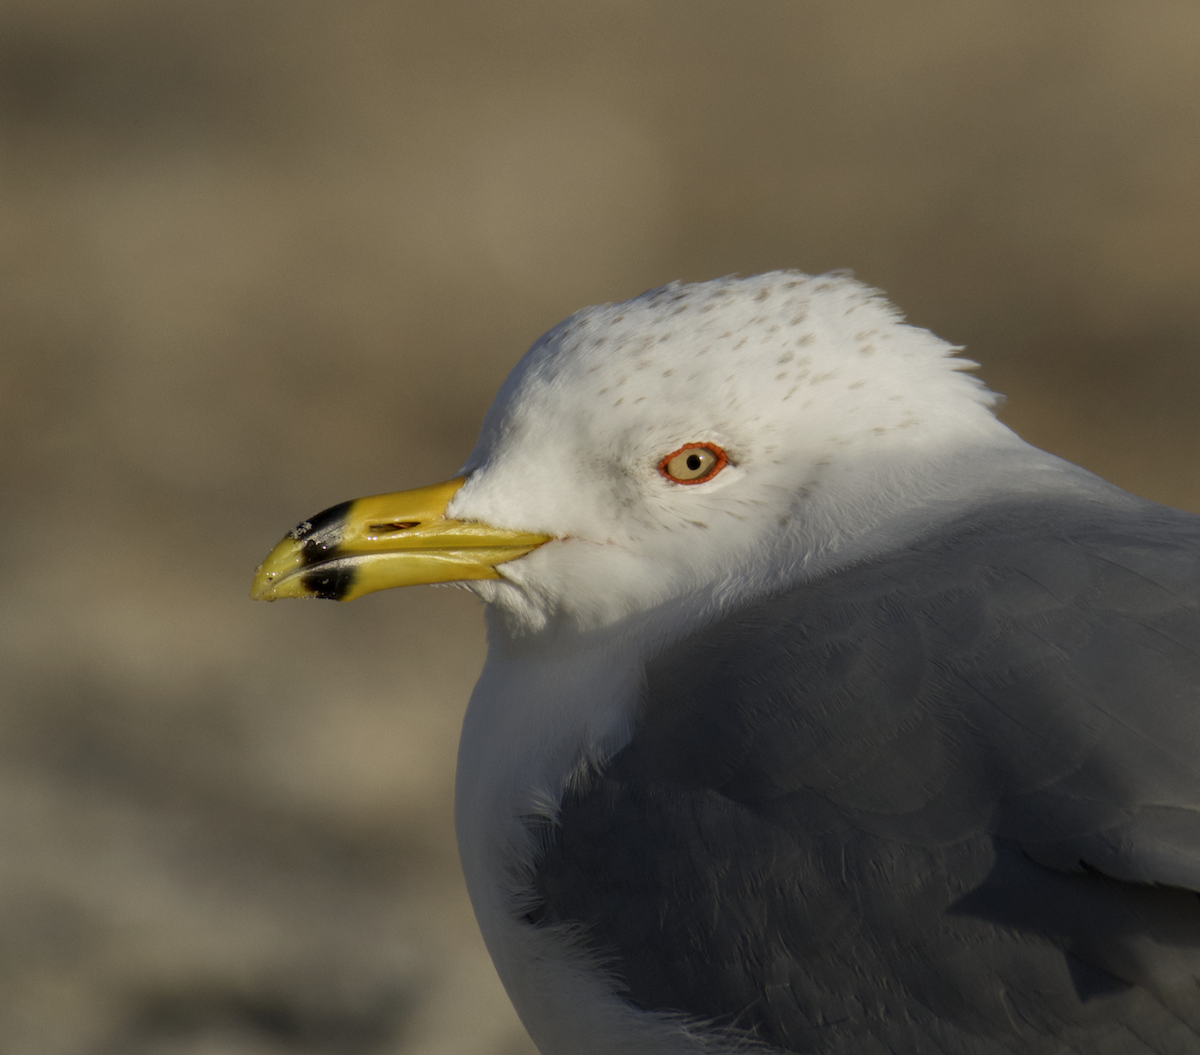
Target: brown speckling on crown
(857,384)
(763,293)
(784,359)
(668,372)
(741,343)
(867,349)
(808,338)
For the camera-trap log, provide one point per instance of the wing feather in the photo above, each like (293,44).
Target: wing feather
(951,794)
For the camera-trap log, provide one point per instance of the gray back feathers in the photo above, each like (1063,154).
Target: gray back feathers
(942,801)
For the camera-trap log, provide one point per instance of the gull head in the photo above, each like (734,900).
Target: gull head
(712,439)
(679,451)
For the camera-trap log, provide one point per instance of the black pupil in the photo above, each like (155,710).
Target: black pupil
(693,462)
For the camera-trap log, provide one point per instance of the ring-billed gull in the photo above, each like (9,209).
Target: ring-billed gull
(820,711)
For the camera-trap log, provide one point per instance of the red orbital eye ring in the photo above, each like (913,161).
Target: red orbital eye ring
(721,459)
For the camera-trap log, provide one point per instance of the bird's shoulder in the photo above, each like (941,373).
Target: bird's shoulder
(1033,647)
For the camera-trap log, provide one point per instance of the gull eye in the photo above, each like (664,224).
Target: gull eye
(693,463)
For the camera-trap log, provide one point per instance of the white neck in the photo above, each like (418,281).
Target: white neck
(544,705)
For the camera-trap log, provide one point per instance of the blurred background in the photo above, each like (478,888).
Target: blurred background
(259,256)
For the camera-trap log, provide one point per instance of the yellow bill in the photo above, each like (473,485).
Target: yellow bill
(376,543)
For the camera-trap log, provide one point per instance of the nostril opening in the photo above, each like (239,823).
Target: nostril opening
(393,526)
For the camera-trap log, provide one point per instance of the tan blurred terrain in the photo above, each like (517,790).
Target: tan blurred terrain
(260,256)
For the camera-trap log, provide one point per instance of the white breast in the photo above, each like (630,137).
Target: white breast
(536,716)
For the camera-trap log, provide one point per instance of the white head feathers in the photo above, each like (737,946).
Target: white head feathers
(842,426)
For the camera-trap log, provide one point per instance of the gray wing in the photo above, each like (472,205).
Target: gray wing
(947,801)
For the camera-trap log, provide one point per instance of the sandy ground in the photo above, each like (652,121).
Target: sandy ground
(261,256)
